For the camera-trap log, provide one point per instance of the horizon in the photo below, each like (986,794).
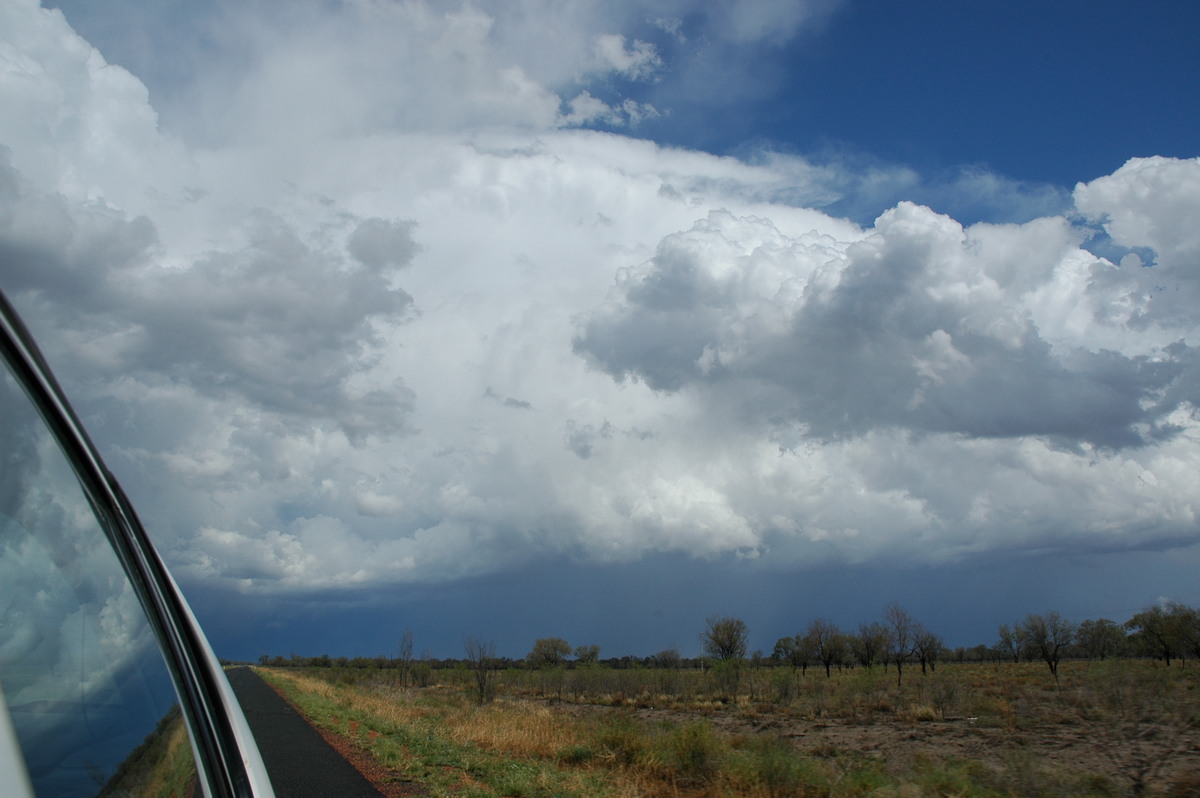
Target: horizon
(594,322)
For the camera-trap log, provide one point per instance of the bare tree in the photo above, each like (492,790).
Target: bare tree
(1047,635)
(928,647)
(902,629)
(870,644)
(826,641)
(406,655)
(481,655)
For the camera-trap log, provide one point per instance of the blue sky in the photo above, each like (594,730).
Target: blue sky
(594,321)
(1049,93)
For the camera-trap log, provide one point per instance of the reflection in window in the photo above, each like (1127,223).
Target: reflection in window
(89,695)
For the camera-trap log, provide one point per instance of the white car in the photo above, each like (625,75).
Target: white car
(107,684)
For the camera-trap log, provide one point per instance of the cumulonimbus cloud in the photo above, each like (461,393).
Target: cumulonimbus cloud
(383,348)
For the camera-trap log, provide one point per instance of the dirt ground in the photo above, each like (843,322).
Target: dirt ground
(1142,758)
(1164,760)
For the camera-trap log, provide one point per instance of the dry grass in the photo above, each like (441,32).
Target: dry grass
(1129,720)
(515,728)
(518,728)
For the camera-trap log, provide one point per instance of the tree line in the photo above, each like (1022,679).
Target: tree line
(1167,632)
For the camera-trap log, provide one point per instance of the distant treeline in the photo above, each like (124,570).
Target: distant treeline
(500,663)
(1165,632)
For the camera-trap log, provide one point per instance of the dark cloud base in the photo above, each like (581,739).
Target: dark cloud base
(662,601)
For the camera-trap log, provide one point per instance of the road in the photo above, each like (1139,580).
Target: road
(299,761)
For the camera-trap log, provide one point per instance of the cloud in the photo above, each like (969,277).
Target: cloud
(305,71)
(860,187)
(1146,205)
(277,324)
(65,587)
(387,321)
(636,61)
(588,110)
(745,21)
(921,325)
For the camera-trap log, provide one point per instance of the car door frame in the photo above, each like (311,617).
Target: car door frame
(227,759)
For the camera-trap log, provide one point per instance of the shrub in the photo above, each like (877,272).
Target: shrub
(621,738)
(576,755)
(694,752)
(772,764)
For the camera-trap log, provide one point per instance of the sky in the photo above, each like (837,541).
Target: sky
(596,320)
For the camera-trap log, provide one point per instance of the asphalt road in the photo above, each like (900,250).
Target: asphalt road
(300,763)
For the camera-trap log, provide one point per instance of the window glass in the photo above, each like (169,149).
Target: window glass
(86,686)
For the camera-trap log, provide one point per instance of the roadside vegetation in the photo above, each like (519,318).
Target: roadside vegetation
(1051,709)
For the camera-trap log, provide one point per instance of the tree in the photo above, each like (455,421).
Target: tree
(406,654)
(1189,631)
(1009,643)
(1101,638)
(826,642)
(795,651)
(724,639)
(901,631)
(667,658)
(870,644)
(1158,630)
(587,654)
(928,647)
(980,653)
(1047,635)
(547,652)
(481,655)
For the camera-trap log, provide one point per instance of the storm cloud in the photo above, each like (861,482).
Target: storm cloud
(368,306)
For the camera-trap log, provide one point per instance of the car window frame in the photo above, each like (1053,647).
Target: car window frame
(227,760)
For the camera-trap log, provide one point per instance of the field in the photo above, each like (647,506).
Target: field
(1119,727)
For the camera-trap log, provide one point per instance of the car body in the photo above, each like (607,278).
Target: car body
(108,686)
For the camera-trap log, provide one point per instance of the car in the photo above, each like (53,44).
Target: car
(108,685)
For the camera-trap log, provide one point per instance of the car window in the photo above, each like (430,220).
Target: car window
(85,684)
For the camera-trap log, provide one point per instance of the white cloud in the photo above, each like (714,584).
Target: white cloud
(394,323)
(1149,203)
(73,123)
(636,60)
(921,325)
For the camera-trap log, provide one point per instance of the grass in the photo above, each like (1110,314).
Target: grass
(448,743)
(161,767)
(530,742)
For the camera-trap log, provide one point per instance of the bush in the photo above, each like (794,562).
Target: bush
(772,764)
(576,755)
(422,674)
(694,752)
(784,684)
(621,738)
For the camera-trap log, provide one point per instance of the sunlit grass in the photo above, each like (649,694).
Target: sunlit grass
(448,743)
